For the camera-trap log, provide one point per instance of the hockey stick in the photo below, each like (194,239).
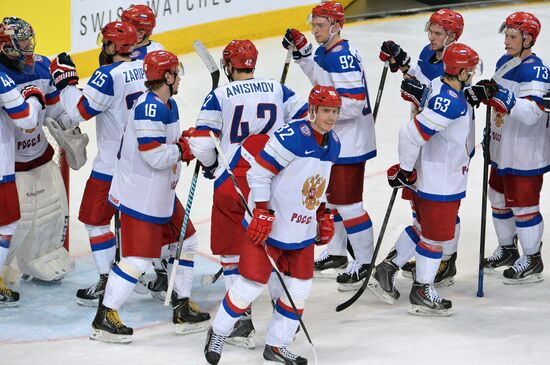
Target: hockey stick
(212,278)
(514,62)
(273,264)
(208,60)
(356,296)
(287,64)
(380,90)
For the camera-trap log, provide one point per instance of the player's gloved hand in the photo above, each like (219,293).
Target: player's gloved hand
(414,91)
(63,71)
(208,171)
(325,225)
(389,50)
(185,151)
(546,99)
(299,41)
(483,90)
(503,101)
(261,223)
(189,132)
(31,90)
(399,178)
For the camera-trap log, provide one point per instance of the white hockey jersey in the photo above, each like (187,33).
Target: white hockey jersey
(148,167)
(520,141)
(140,52)
(292,173)
(342,67)
(435,142)
(15,113)
(109,95)
(240,109)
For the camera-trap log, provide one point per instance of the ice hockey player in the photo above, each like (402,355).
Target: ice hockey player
(288,182)
(109,96)
(520,153)
(149,165)
(443,125)
(444,27)
(338,64)
(242,114)
(16,112)
(38,241)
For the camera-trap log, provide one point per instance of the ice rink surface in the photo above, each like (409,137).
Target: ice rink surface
(510,325)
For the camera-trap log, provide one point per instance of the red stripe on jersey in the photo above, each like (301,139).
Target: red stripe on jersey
(53,100)
(22,114)
(359,97)
(202,133)
(148,146)
(287,308)
(82,109)
(538,104)
(427,247)
(266,165)
(425,136)
(103,238)
(356,221)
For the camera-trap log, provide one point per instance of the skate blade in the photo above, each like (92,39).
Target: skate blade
(445,282)
(9,304)
(207,280)
(427,312)
(534,278)
(87,302)
(103,336)
(188,328)
(328,273)
(407,274)
(245,342)
(350,286)
(376,289)
(159,295)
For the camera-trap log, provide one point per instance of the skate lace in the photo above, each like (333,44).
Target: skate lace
(442,267)
(194,307)
(101,283)
(4,289)
(431,293)
(216,343)
(323,256)
(522,264)
(289,355)
(353,268)
(497,254)
(114,319)
(394,275)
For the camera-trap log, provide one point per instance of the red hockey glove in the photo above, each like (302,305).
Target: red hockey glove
(63,71)
(31,90)
(325,225)
(296,38)
(503,101)
(399,178)
(189,132)
(185,151)
(260,225)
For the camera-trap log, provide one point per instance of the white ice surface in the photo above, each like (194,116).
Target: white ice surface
(510,325)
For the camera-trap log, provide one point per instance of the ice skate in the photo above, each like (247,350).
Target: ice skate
(213,347)
(503,256)
(107,327)
(89,297)
(282,355)
(8,297)
(352,278)
(187,317)
(382,282)
(527,269)
(329,266)
(243,333)
(426,302)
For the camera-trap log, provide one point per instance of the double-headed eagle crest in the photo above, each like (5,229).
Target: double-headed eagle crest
(312,191)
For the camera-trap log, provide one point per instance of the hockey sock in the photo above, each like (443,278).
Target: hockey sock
(234,304)
(283,324)
(122,279)
(503,218)
(405,246)
(4,249)
(450,248)
(428,256)
(530,233)
(102,243)
(359,230)
(337,246)
(230,265)
(184,276)
(274,286)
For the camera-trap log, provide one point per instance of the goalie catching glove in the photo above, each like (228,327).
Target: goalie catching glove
(72,140)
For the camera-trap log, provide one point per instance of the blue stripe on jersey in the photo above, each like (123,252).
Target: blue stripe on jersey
(441,198)
(357,159)
(207,128)
(88,109)
(289,246)
(211,102)
(236,157)
(7,179)
(117,270)
(353,91)
(142,216)
(511,171)
(53,94)
(271,160)
(5,243)
(536,99)
(99,176)
(530,223)
(412,234)
(287,93)
(300,113)
(17,109)
(144,140)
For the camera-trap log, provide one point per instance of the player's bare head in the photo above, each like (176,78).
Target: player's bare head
(326,19)
(520,31)
(117,38)
(324,107)
(239,56)
(444,27)
(162,69)
(461,63)
(142,18)
(17,42)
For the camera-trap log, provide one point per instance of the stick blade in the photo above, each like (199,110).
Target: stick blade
(208,60)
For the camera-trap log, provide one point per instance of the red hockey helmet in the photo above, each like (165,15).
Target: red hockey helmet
(241,53)
(525,22)
(334,11)
(17,42)
(157,63)
(140,16)
(449,20)
(324,96)
(122,34)
(459,56)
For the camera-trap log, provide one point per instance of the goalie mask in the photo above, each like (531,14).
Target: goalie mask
(17,43)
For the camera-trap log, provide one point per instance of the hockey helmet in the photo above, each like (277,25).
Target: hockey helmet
(334,11)
(324,96)
(524,22)
(140,16)
(157,63)
(459,56)
(122,34)
(449,20)
(17,42)
(241,53)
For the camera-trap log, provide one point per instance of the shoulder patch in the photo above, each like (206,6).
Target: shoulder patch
(453,94)
(37,58)
(305,130)
(531,60)
(338,48)
(335,136)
